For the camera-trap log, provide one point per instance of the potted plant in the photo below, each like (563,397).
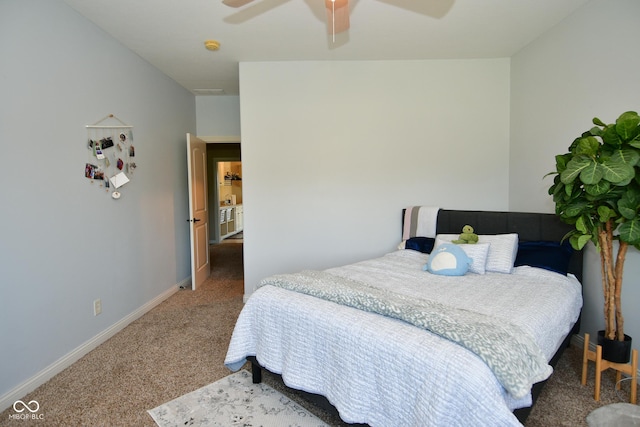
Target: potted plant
(597,190)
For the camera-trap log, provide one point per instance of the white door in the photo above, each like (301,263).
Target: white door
(198,209)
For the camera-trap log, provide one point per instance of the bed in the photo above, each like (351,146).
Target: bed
(389,344)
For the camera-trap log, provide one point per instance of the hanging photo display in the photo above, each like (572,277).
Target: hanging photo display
(110,154)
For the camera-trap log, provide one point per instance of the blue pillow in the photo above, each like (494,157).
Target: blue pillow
(448,259)
(552,256)
(420,244)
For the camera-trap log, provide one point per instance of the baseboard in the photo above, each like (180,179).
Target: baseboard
(578,341)
(70,358)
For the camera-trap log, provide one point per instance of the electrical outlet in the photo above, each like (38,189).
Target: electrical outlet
(97,307)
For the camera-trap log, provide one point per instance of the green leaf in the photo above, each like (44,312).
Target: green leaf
(630,231)
(629,203)
(557,190)
(575,209)
(581,226)
(633,195)
(617,172)
(626,125)
(573,145)
(568,190)
(626,211)
(592,174)
(578,241)
(606,213)
(610,136)
(574,168)
(588,146)
(561,161)
(598,189)
(595,131)
(626,155)
(597,121)
(635,142)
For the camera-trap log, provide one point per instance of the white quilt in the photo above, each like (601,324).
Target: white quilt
(385,372)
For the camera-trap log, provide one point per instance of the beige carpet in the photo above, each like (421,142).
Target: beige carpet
(177,347)
(180,345)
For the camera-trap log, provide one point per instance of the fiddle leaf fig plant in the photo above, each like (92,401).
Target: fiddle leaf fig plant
(596,189)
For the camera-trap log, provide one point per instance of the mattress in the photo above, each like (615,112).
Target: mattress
(385,372)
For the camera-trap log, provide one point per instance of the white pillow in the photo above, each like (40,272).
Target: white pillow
(502,252)
(476,251)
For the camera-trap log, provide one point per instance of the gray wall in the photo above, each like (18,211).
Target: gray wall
(585,67)
(218,116)
(63,241)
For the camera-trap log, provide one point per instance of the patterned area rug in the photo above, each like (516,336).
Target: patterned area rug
(234,401)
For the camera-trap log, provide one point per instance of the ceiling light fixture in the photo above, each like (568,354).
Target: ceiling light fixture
(212,44)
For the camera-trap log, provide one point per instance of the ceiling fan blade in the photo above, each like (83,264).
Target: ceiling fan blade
(337,15)
(236,3)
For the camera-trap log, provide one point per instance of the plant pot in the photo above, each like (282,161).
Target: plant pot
(614,350)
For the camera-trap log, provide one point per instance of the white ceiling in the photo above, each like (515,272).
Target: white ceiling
(170,34)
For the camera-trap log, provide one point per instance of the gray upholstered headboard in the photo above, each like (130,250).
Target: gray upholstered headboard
(529,226)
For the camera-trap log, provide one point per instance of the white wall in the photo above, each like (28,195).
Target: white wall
(332,152)
(585,67)
(63,241)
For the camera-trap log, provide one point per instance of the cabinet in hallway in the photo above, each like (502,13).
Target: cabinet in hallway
(231,220)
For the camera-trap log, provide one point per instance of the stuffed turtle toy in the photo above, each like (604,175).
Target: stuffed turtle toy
(467,236)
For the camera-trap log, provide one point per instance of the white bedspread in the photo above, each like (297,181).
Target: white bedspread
(384,372)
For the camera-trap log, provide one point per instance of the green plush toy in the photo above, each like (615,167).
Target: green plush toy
(467,236)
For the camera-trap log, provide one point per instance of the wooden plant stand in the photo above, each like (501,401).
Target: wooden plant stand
(603,365)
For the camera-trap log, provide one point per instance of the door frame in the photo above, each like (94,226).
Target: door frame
(214,202)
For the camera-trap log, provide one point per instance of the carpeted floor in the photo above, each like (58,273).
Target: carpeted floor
(180,345)
(175,348)
(238,236)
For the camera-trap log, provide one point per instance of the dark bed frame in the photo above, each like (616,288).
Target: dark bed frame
(530,227)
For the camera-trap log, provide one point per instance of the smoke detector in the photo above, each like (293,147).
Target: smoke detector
(212,44)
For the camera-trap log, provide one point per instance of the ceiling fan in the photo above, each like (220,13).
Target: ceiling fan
(337,13)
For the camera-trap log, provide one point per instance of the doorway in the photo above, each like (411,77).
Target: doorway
(230,207)
(224,159)
(205,156)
